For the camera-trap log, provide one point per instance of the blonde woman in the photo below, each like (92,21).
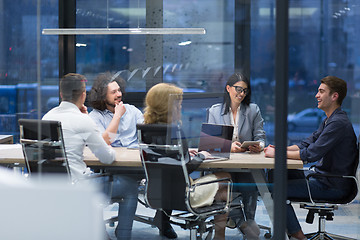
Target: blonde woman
(157,110)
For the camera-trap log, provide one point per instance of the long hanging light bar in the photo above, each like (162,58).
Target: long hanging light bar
(116,31)
(121,31)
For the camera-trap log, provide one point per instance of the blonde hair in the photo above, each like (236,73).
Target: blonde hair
(160,107)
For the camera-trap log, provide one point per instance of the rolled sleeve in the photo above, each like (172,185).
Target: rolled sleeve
(97,144)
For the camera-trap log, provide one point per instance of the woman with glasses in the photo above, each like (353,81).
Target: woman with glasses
(246,118)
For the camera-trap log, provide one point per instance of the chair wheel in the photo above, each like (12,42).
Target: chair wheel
(267,235)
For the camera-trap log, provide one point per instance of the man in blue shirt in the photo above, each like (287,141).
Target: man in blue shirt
(333,146)
(116,120)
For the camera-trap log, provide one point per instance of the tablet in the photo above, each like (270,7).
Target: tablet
(246,144)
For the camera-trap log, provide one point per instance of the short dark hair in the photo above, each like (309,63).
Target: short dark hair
(236,77)
(336,84)
(72,85)
(97,95)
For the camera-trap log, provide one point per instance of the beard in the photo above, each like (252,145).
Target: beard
(112,104)
(109,104)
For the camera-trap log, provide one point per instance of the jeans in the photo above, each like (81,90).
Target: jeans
(297,188)
(125,190)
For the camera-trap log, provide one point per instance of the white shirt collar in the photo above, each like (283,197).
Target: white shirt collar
(235,124)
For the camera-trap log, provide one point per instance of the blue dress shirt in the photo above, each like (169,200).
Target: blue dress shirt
(126,135)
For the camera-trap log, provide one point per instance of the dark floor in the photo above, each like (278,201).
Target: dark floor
(346,222)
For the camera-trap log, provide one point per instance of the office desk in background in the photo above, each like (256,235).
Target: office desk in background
(6,139)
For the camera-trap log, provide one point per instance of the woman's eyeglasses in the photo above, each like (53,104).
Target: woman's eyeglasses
(239,89)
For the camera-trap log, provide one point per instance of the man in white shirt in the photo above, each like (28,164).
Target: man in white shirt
(80,130)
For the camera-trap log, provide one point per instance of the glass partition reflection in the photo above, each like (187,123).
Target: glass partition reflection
(323,40)
(25,90)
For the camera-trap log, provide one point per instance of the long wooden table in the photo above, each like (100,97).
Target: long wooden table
(131,158)
(12,153)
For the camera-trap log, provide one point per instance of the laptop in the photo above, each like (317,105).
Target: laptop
(216,139)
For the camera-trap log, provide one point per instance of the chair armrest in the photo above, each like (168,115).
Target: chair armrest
(318,175)
(209,182)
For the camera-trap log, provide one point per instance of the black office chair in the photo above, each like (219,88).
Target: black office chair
(43,147)
(325,208)
(164,154)
(44,152)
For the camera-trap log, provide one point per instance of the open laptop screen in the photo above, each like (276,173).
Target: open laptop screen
(216,139)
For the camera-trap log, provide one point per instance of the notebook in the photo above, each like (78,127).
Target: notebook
(216,139)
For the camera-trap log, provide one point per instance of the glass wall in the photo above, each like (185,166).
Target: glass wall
(197,63)
(240,36)
(322,41)
(26,91)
